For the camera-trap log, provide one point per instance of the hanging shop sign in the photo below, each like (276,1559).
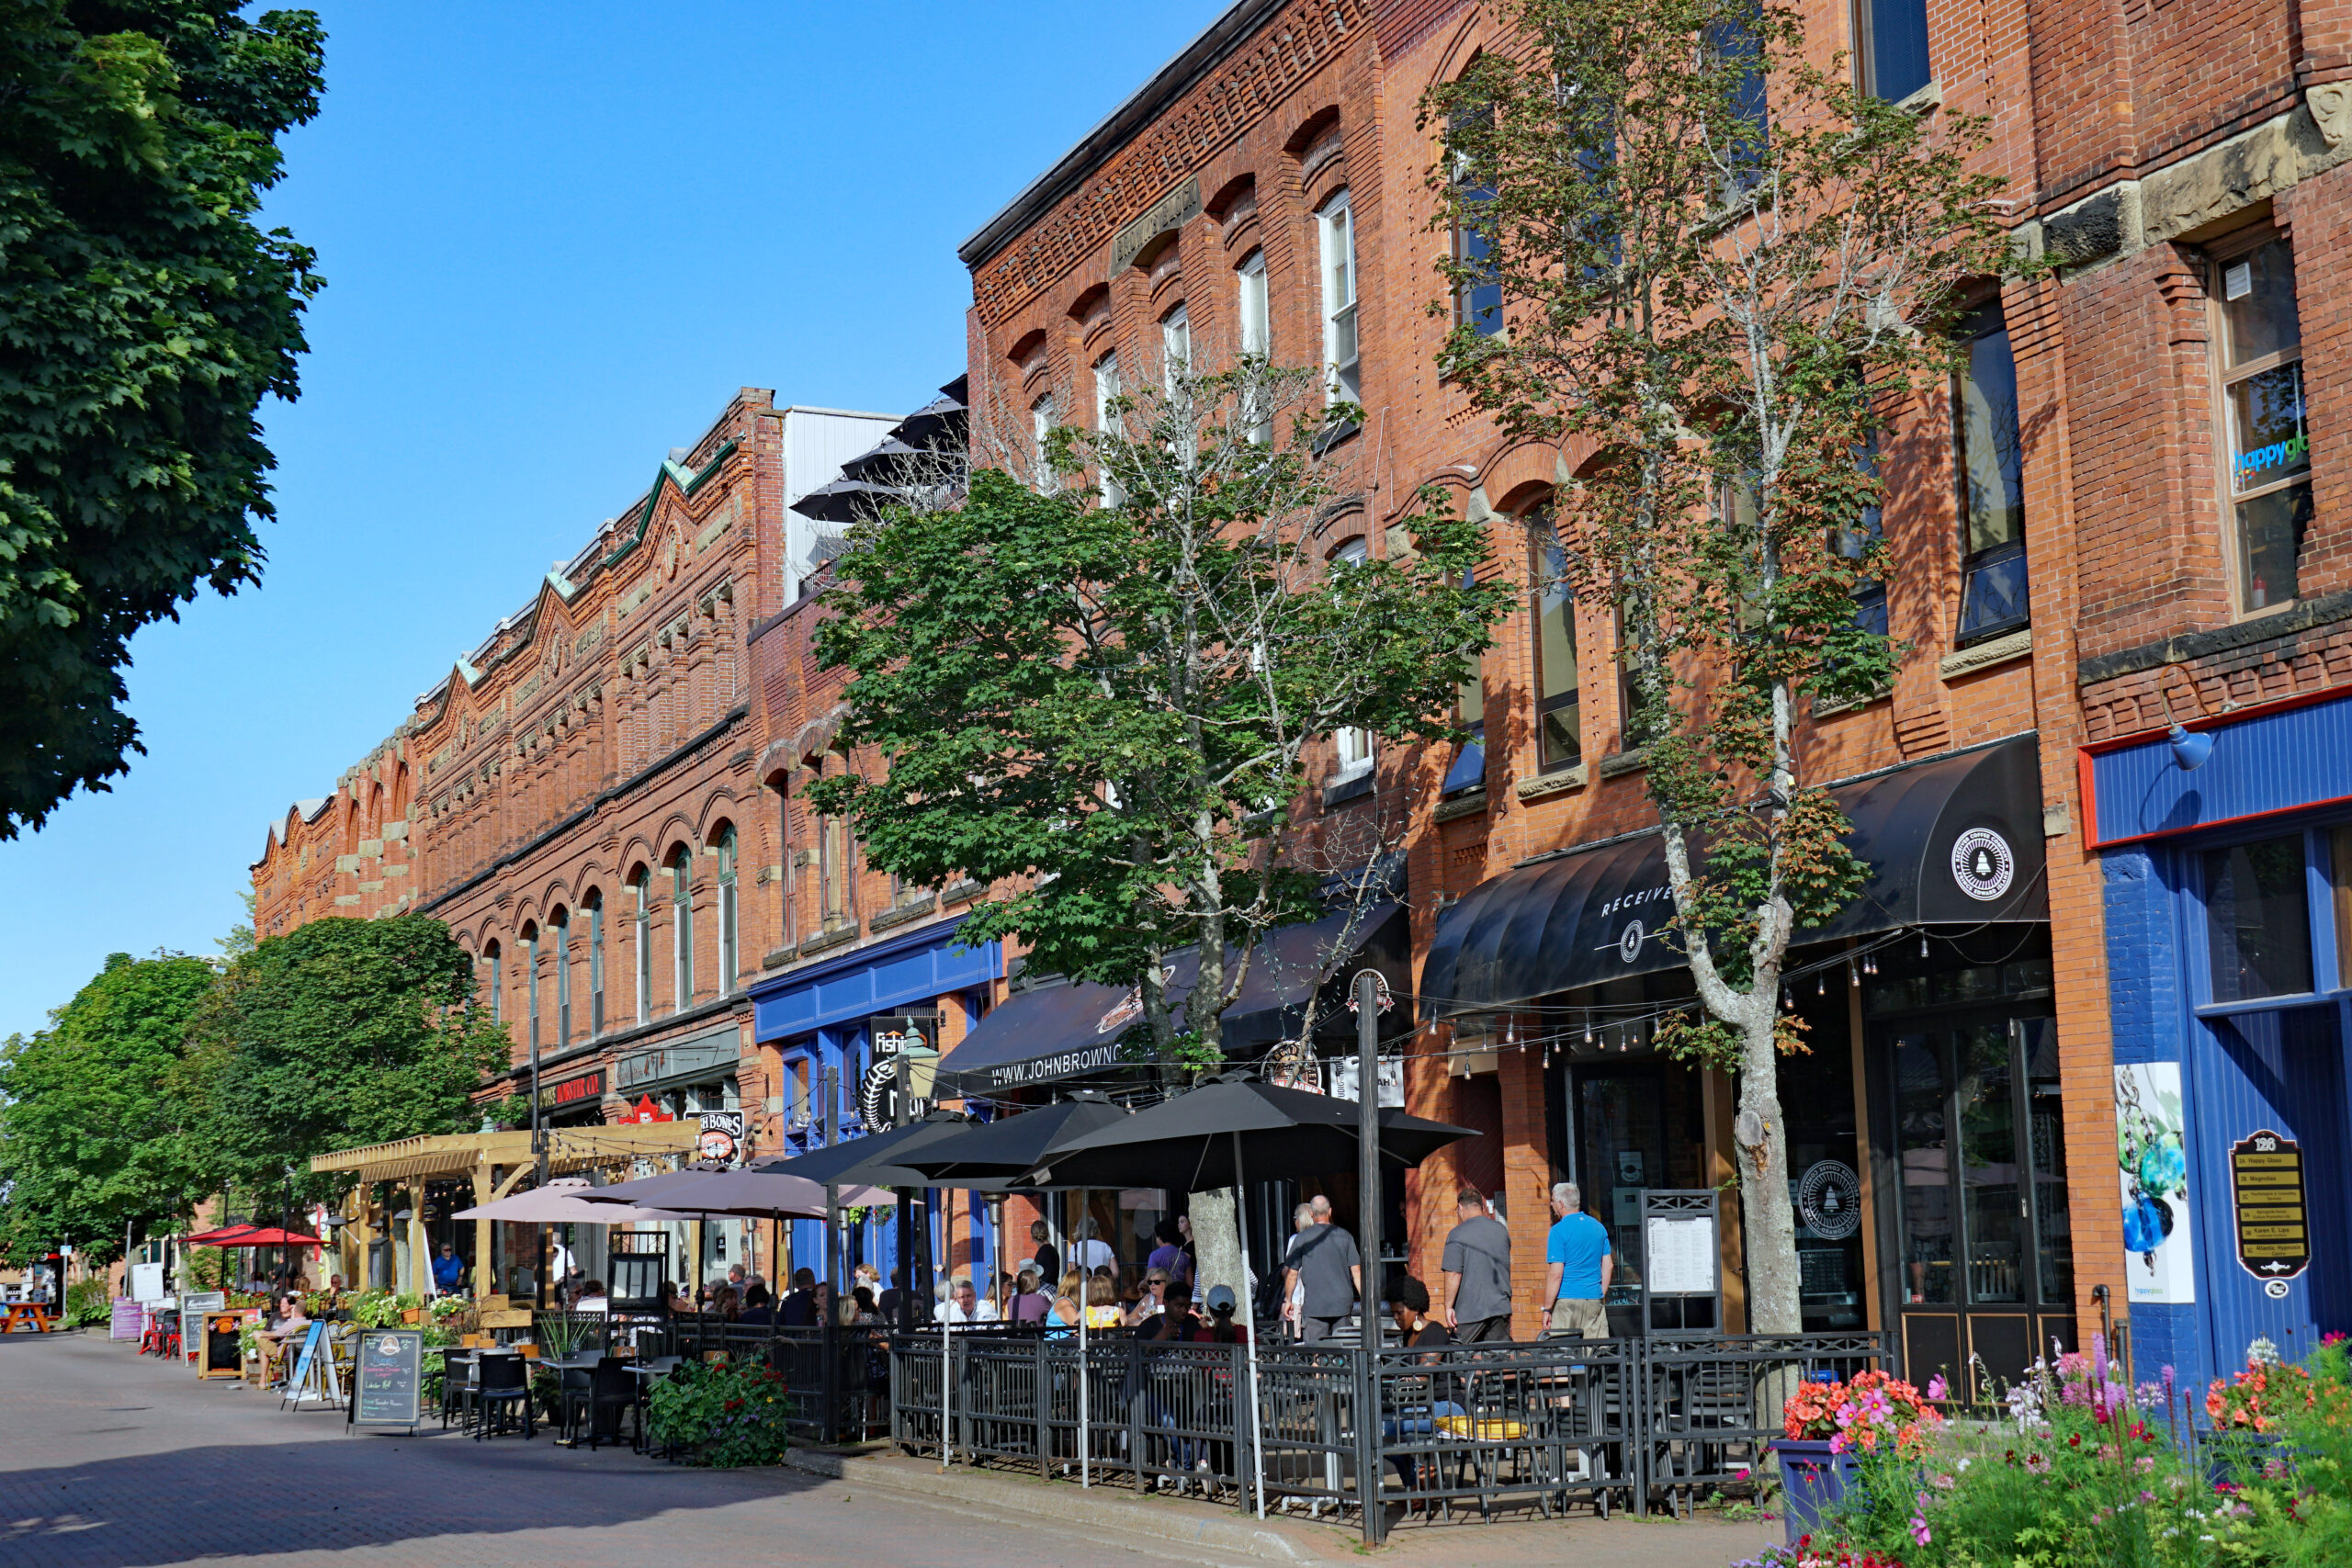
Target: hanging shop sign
(722,1136)
(2266,1191)
(646,1111)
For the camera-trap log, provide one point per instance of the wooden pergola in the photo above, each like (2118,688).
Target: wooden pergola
(494,1163)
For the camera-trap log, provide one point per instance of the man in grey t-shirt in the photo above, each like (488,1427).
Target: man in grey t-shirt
(1323,1259)
(1477,1272)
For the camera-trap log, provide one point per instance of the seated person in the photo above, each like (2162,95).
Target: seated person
(723,1302)
(798,1308)
(1102,1305)
(1220,1329)
(859,1310)
(1417,1419)
(285,1333)
(758,1309)
(964,1305)
(592,1297)
(674,1298)
(1174,1321)
(1028,1304)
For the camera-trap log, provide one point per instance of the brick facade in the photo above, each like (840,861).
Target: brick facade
(2131,137)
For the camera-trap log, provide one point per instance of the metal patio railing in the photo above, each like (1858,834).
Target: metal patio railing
(1463,1431)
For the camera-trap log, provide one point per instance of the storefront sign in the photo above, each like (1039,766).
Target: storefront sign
(705,1058)
(1829,1200)
(893,1032)
(2266,1191)
(2152,1163)
(722,1136)
(645,1110)
(1982,864)
(587,1087)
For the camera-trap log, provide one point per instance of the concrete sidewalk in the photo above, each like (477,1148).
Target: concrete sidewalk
(1623,1541)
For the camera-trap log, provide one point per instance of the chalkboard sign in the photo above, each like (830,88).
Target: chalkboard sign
(221,1352)
(2267,1190)
(387,1381)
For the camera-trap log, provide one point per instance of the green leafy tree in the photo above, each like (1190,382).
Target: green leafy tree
(88,1137)
(1107,709)
(1102,699)
(146,317)
(339,1033)
(1719,265)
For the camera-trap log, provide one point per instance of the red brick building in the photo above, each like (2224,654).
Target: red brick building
(2101,549)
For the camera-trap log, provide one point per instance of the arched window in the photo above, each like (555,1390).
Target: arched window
(595,904)
(497,986)
(531,982)
(681,910)
(640,887)
(561,921)
(728,958)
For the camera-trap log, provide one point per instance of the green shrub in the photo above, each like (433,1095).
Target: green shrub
(86,1304)
(724,1413)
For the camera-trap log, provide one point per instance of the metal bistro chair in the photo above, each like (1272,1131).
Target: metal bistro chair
(502,1385)
(596,1396)
(458,1373)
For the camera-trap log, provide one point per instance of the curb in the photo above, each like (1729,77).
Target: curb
(1099,1508)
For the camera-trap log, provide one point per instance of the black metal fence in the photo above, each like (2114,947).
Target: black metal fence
(1468,1429)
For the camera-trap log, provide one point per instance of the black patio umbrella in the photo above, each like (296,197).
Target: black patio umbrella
(864,1162)
(1193,1140)
(990,1157)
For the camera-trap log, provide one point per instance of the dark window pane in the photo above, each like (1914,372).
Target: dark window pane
(1988,1147)
(2046,1149)
(2270,532)
(1870,609)
(2266,422)
(1922,1150)
(1994,596)
(1898,47)
(1469,769)
(1991,460)
(2258,920)
(1562,735)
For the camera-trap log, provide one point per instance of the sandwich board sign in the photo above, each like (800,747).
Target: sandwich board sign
(386,1379)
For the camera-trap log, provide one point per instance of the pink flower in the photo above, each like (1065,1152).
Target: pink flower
(1939,1389)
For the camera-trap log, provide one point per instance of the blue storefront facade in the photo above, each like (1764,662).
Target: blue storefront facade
(816,1020)
(2227,874)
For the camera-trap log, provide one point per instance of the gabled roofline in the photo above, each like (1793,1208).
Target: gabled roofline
(1179,76)
(688,482)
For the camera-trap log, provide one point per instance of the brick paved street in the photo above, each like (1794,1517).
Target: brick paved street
(113,1460)
(109,1459)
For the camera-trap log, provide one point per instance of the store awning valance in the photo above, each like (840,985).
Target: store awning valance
(1068,1031)
(1957,839)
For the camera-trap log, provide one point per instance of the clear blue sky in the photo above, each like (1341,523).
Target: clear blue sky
(557,238)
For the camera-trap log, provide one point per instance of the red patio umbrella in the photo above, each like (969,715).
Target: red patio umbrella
(226,1235)
(270,1236)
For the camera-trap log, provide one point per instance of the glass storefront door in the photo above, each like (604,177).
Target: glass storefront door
(1984,1258)
(1638,1124)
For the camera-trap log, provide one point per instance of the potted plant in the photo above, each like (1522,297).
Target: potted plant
(722,1414)
(1830,1427)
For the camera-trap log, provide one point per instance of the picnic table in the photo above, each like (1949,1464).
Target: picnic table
(33,1316)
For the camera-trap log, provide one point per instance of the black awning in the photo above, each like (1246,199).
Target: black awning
(1957,839)
(1068,1031)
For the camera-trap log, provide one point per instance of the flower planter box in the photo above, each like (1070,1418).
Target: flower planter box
(1813,1482)
(413,1314)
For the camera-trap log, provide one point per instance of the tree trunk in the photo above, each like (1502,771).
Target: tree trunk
(1216,1236)
(1763,1143)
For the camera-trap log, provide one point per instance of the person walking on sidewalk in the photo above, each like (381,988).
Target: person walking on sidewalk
(1324,1263)
(1575,1288)
(1477,1273)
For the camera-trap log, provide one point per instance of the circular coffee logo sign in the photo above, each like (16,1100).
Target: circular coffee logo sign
(1982,864)
(1629,941)
(1829,1200)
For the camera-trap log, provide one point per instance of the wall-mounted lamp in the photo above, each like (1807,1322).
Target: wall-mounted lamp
(2190,751)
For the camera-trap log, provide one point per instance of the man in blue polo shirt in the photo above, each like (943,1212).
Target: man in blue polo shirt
(1577,1286)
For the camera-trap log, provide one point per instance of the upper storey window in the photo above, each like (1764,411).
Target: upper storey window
(2261,348)
(1893,47)
(1992,483)
(1336,231)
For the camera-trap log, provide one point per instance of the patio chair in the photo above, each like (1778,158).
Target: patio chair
(502,1385)
(597,1396)
(458,1386)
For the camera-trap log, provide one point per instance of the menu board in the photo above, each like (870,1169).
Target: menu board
(385,1382)
(1682,1256)
(128,1320)
(2266,1191)
(194,1304)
